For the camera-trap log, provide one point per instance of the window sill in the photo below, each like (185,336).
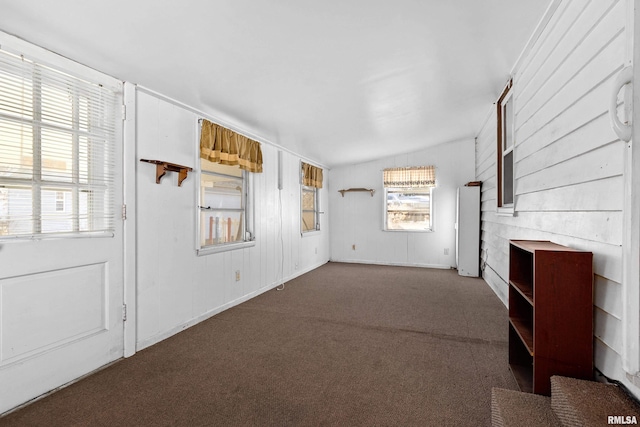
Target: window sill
(311,233)
(505,211)
(408,231)
(52,236)
(225,248)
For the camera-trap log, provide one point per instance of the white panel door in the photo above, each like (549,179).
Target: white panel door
(60,313)
(61,299)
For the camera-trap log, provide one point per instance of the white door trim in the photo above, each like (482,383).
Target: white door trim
(129,189)
(631,223)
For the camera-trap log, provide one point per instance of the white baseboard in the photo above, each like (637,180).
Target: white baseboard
(397,264)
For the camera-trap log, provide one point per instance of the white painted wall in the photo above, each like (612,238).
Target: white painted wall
(175,287)
(357,218)
(569,164)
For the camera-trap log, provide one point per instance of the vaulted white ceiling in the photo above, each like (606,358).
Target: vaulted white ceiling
(337,82)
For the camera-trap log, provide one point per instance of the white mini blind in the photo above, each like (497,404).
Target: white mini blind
(57,148)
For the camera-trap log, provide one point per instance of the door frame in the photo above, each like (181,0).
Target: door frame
(631,223)
(129,214)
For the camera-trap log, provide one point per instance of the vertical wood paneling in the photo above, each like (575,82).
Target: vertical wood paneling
(177,288)
(569,164)
(357,218)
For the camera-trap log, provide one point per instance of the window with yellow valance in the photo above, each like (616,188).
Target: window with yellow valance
(408,198)
(410,177)
(221,145)
(311,175)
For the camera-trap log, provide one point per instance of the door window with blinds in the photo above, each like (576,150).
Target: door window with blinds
(57,148)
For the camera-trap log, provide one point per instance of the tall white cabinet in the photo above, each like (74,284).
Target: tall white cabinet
(468,231)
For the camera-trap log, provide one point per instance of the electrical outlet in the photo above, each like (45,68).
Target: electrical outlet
(296,266)
(237,275)
(316,251)
(446,251)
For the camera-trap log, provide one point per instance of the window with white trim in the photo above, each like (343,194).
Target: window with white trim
(408,195)
(505,148)
(310,212)
(225,198)
(223,204)
(57,144)
(311,179)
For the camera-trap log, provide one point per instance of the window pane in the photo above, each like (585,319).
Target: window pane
(57,155)
(223,204)
(83,211)
(17,92)
(309,209)
(84,146)
(507,179)
(408,210)
(16,144)
(221,227)
(221,192)
(308,221)
(57,106)
(507,124)
(308,200)
(16,207)
(54,221)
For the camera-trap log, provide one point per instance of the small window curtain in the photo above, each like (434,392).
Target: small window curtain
(311,175)
(411,177)
(224,146)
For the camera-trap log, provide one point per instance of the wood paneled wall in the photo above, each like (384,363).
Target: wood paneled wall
(175,287)
(569,164)
(357,218)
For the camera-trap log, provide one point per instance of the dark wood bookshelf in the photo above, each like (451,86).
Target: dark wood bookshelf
(550,313)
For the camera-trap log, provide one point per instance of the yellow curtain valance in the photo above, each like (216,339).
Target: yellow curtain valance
(224,146)
(410,177)
(311,175)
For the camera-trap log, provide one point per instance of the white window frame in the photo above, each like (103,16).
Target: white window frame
(505,147)
(248,213)
(386,211)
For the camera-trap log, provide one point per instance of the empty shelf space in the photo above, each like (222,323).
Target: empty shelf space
(523,376)
(525,289)
(525,332)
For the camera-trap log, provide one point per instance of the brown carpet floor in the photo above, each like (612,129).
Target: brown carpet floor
(343,345)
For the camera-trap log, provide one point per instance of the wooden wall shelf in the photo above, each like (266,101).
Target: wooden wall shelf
(348,190)
(163,167)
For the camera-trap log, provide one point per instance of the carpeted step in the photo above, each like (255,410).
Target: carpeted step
(581,403)
(511,408)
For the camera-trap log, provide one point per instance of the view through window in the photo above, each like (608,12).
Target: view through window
(409,198)
(222,204)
